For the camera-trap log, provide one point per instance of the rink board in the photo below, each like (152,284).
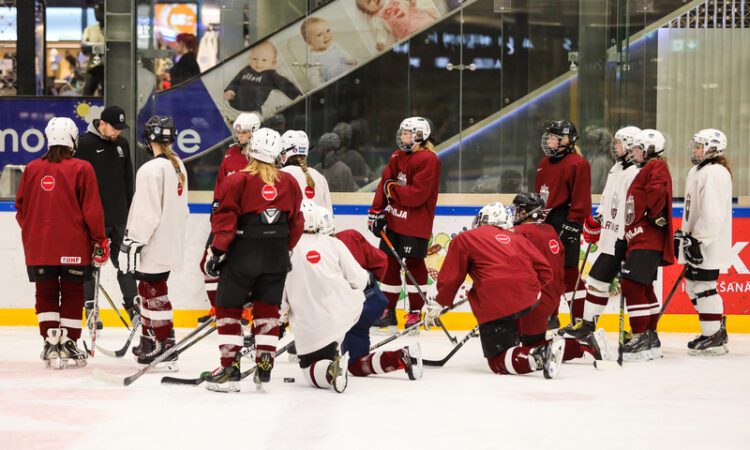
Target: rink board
(188,295)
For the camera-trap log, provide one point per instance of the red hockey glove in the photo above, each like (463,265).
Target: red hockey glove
(592,229)
(376,221)
(388,187)
(101,253)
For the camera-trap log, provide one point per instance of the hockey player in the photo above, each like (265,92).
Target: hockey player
(509,275)
(154,243)
(256,225)
(563,179)
(234,160)
(404,206)
(607,228)
(704,241)
(62,226)
(294,148)
(648,232)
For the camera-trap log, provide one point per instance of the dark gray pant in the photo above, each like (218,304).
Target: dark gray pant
(126,281)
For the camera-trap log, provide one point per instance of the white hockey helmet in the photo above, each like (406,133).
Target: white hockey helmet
(294,143)
(62,131)
(265,145)
(420,132)
(626,138)
(310,214)
(325,221)
(495,214)
(714,143)
(652,142)
(246,122)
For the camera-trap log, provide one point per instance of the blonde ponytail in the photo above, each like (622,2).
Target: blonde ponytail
(426,145)
(302,161)
(169,153)
(577,150)
(722,160)
(267,172)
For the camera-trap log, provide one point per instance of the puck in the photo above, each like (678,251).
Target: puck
(288,380)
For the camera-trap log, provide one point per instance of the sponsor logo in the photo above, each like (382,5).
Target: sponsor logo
(231,172)
(502,238)
(120,152)
(75,272)
(401,214)
(313,257)
(99,150)
(309,192)
(48,183)
(122,118)
(554,247)
(70,260)
(268,192)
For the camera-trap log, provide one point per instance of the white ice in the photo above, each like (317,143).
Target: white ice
(678,402)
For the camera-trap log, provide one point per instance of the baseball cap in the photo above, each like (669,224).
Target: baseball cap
(115,116)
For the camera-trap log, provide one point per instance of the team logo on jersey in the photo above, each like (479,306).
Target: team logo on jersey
(544,192)
(313,257)
(629,210)
(309,192)
(554,247)
(70,260)
(120,152)
(687,207)
(613,204)
(401,179)
(48,183)
(269,192)
(502,238)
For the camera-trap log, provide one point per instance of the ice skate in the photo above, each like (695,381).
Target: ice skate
(724,327)
(578,330)
(264,364)
(638,348)
(551,357)
(714,345)
(655,344)
(338,373)
(169,364)
(596,344)
(225,379)
(412,361)
(412,318)
(387,324)
(71,357)
(50,354)
(146,344)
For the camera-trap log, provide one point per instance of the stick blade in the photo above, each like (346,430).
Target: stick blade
(433,363)
(107,377)
(182,381)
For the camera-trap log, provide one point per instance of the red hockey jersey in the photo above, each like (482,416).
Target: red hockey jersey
(507,271)
(369,257)
(650,196)
(412,207)
(60,212)
(544,238)
(566,184)
(233,162)
(243,194)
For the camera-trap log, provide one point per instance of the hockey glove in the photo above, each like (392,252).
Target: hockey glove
(679,236)
(101,253)
(214,259)
(130,255)
(388,187)
(692,248)
(376,221)
(433,310)
(592,229)
(570,233)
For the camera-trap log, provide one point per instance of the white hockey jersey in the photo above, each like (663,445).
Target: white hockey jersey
(158,216)
(708,214)
(324,292)
(612,206)
(321,195)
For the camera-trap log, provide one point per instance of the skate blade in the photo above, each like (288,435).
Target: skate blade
(259,387)
(712,351)
(53,364)
(386,331)
(73,363)
(227,387)
(340,379)
(656,353)
(553,363)
(637,357)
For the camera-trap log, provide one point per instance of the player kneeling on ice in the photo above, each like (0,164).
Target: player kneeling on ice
(509,274)
(155,239)
(256,225)
(62,225)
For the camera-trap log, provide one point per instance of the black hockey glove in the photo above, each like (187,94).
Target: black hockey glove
(130,255)
(692,248)
(570,233)
(376,221)
(679,236)
(214,259)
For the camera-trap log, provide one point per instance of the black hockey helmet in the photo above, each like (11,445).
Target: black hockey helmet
(159,129)
(528,205)
(559,128)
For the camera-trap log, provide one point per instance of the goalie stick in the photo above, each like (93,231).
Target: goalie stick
(441,362)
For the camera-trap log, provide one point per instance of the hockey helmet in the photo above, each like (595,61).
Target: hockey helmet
(713,142)
(555,131)
(294,143)
(420,132)
(325,221)
(62,131)
(246,122)
(310,214)
(528,205)
(159,129)
(495,214)
(625,138)
(265,145)
(651,142)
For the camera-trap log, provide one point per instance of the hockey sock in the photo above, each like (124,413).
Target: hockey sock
(317,374)
(638,305)
(418,270)
(230,333)
(578,292)
(265,328)
(391,285)
(655,308)
(47,305)
(71,307)
(156,311)
(709,304)
(597,296)
(376,362)
(514,361)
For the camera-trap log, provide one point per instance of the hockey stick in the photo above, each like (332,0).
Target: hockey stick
(621,334)
(92,320)
(112,304)
(578,280)
(121,352)
(441,363)
(674,289)
(389,244)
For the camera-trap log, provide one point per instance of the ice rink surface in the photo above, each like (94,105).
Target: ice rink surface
(679,402)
